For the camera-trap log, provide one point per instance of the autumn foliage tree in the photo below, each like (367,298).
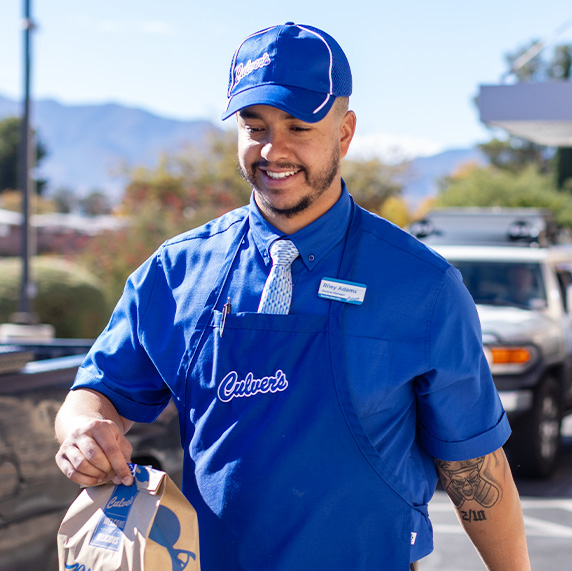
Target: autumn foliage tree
(184,191)
(372,182)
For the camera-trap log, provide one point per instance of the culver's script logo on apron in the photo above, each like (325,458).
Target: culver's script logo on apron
(233,387)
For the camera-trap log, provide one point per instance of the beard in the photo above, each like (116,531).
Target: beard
(317,183)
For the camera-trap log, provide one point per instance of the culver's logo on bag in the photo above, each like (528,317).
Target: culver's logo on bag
(134,528)
(109,531)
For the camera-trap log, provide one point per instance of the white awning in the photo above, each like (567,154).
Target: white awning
(540,112)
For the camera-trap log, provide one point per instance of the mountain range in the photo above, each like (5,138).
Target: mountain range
(90,146)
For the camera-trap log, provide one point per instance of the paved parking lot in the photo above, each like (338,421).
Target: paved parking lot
(547,507)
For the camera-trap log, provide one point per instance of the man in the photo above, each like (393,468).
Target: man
(312,417)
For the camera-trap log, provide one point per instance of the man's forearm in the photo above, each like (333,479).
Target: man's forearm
(93,447)
(86,403)
(488,507)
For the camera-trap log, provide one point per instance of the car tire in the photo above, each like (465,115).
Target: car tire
(534,447)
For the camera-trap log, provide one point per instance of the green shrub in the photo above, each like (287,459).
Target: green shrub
(68,297)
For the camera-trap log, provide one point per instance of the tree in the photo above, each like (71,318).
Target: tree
(10,137)
(191,180)
(530,62)
(490,186)
(9,143)
(95,203)
(64,200)
(395,210)
(372,181)
(12,200)
(563,161)
(561,66)
(526,68)
(185,190)
(515,154)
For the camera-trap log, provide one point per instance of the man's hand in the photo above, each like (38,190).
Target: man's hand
(93,448)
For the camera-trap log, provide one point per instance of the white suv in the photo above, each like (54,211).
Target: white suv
(523,296)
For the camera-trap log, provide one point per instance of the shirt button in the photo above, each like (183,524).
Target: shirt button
(311,257)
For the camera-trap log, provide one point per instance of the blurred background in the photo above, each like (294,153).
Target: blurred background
(125,102)
(111,142)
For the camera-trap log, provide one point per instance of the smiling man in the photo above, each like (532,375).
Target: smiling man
(326,366)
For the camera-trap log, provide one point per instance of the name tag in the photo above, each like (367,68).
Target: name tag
(340,290)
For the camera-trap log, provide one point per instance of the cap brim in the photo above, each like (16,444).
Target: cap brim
(308,106)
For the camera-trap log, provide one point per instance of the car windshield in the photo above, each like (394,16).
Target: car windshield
(504,283)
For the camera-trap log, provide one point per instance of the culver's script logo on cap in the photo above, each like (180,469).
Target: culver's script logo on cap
(242,70)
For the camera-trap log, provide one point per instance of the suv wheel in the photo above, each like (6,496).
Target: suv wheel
(535,445)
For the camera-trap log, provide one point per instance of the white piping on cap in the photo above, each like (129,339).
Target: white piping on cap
(329,70)
(322,105)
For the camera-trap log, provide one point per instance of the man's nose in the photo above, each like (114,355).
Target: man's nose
(275,146)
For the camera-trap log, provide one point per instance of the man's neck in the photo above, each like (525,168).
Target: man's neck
(292,223)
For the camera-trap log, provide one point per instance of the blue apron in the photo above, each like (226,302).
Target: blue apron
(285,476)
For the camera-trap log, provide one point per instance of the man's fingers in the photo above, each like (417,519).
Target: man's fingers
(95,452)
(117,450)
(74,466)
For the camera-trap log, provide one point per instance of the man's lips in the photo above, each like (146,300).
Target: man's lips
(279,175)
(277,172)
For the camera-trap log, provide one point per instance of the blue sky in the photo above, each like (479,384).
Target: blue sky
(417,65)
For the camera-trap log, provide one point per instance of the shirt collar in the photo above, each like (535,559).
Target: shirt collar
(313,241)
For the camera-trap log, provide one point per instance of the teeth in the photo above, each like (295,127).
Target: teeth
(280,175)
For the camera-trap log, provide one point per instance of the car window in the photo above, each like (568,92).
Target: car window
(504,283)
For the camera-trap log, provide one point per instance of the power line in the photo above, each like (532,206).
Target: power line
(536,49)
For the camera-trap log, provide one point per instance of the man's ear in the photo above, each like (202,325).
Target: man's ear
(347,130)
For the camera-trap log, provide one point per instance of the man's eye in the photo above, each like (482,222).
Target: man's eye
(299,129)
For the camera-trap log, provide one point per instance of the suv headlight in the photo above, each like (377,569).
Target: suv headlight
(510,359)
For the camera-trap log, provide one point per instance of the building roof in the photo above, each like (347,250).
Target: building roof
(10,218)
(540,112)
(90,225)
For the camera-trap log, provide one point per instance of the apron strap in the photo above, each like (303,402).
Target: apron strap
(210,303)
(341,382)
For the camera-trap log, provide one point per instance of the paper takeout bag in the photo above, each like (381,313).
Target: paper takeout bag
(148,526)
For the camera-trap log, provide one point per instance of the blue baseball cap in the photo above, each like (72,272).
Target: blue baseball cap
(297,68)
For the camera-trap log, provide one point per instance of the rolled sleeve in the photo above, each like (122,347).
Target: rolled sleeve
(125,406)
(479,445)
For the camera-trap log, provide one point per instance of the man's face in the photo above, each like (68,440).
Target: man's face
(293,166)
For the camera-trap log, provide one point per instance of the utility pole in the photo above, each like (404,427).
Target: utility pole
(26,184)
(24,323)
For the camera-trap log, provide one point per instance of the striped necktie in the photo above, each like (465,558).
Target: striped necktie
(277,292)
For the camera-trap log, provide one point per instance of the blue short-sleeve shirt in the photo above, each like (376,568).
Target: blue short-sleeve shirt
(416,370)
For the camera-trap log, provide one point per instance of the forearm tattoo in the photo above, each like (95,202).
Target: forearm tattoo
(471,481)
